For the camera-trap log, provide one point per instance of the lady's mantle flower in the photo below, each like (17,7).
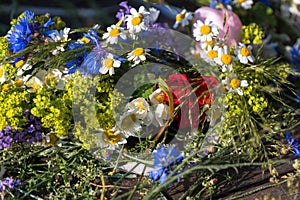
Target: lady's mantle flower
(233,84)
(165,160)
(138,20)
(225,59)
(113,34)
(109,138)
(182,18)
(293,144)
(137,55)
(244,53)
(246,4)
(205,31)
(2,75)
(108,65)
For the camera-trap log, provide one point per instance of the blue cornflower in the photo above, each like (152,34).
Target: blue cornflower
(122,12)
(23,31)
(295,56)
(8,182)
(293,144)
(213,3)
(75,64)
(165,159)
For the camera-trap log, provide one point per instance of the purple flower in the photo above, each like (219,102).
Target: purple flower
(10,183)
(122,12)
(293,144)
(165,159)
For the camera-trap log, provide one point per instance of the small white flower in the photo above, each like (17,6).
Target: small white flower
(108,65)
(246,4)
(244,53)
(139,107)
(138,20)
(128,124)
(61,36)
(224,59)
(110,138)
(2,75)
(233,84)
(213,52)
(24,68)
(113,34)
(154,13)
(137,55)
(205,31)
(182,18)
(161,110)
(33,84)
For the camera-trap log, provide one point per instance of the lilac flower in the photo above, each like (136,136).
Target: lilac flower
(122,12)
(293,144)
(8,183)
(22,32)
(165,159)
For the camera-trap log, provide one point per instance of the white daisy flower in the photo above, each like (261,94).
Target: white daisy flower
(139,107)
(246,4)
(108,65)
(129,124)
(206,44)
(110,138)
(61,36)
(244,53)
(224,59)
(233,84)
(2,75)
(25,67)
(205,31)
(138,20)
(182,18)
(113,34)
(33,84)
(157,97)
(137,55)
(212,52)
(161,110)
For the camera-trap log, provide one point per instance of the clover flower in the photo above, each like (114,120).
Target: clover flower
(138,55)
(244,53)
(108,65)
(225,59)
(165,160)
(138,20)
(293,144)
(233,84)
(205,31)
(182,18)
(113,34)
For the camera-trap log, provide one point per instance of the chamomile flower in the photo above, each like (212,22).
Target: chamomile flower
(224,59)
(138,55)
(205,31)
(246,4)
(34,84)
(161,110)
(206,44)
(61,36)
(139,107)
(233,84)
(113,34)
(244,53)
(2,75)
(212,52)
(182,18)
(108,64)
(138,20)
(109,138)
(128,124)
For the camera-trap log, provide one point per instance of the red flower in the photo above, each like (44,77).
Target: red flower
(187,91)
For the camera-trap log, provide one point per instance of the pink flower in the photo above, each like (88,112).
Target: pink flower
(232,24)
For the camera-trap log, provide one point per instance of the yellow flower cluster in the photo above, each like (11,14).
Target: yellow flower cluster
(252,34)
(4,51)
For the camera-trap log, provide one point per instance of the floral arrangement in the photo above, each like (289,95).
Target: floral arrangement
(83,108)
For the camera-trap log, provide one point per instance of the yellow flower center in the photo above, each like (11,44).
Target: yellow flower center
(180,17)
(226,59)
(205,30)
(50,139)
(1,72)
(5,88)
(85,40)
(209,43)
(212,54)
(110,137)
(18,83)
(241,1)
(108,63)
(137,20)
(245,51)
(35,86)
(138,52)
(114,32)
(20,63)
(160,98)
(140,106)
(235,83)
